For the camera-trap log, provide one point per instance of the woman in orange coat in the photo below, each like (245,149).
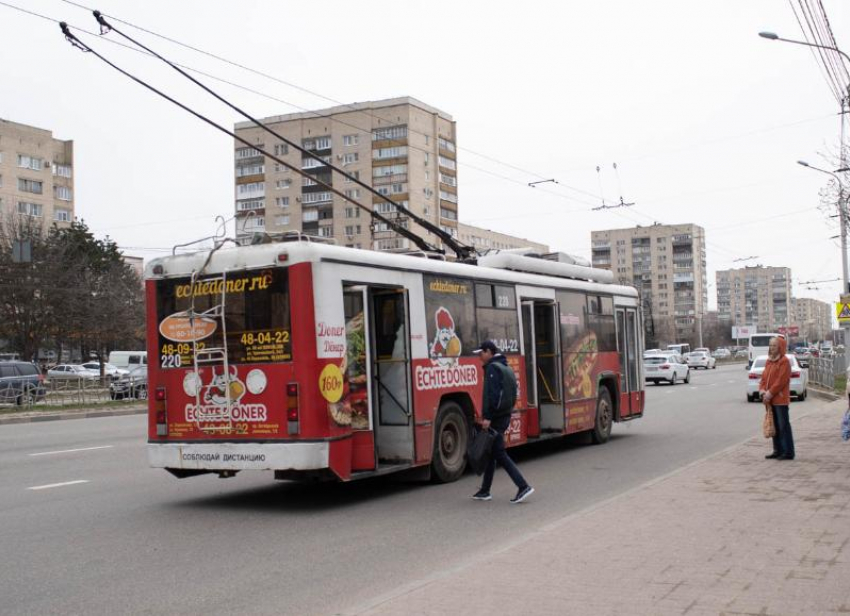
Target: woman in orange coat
(775,389)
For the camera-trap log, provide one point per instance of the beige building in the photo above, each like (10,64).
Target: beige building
(36,174)
(666,263)
(485,239)
(402,147)
(813,317)
(755,296)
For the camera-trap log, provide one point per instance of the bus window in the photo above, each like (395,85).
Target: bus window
(450,310)
(496,316)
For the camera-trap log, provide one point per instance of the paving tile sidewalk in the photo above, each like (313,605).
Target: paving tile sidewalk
(733,534)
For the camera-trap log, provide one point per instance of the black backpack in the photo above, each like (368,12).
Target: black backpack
(507,399)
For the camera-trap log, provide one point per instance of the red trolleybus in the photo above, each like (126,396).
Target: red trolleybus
(314,360)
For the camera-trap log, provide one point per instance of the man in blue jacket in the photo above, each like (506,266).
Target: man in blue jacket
(496,408)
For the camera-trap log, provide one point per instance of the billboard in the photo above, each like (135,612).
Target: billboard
(743,331)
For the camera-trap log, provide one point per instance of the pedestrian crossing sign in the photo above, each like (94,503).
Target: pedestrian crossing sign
(842,312)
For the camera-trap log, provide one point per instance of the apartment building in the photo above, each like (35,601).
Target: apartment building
(666,263)
(485,239)
(402,147)
(813,317)
(36,174)
(756,296)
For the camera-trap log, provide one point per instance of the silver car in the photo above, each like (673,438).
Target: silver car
(70,372)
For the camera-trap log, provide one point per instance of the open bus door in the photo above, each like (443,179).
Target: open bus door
(628,347)
(390,382)
(541,336)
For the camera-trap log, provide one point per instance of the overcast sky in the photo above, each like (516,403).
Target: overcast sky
(703,118)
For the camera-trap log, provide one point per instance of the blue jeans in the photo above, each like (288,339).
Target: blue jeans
(783,442)
(500,424)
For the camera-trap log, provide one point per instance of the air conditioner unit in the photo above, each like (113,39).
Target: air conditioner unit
(339,156)
(298,199)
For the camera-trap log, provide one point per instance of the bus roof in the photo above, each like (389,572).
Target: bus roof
(269,255)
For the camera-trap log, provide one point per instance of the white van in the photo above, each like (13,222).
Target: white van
(134,363)
(759,344)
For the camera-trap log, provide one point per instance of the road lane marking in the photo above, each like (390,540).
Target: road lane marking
(50,453)
(58,485)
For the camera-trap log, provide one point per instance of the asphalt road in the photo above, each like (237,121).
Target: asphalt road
(128,539)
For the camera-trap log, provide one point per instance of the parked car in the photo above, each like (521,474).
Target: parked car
(701,359)
(803,355)
(741,353)
(670,367)
(128,387)
(703,349)
(799,378)
(721,353)
(108,369)
(70,372)
(20,382)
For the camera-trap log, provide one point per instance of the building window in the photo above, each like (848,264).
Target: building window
(60,215)
(447,196)
(326,231)
(447,213)
(352,212)
(63,171)
(243,153)
(29,162)
(353,193)
(281,221)
(251,169)
(447,179)
(312,163)
(281,149)
(352,175)
(281,201)
(63,193)
(351,157)
(282,184)
(387,170)
(390,132)
(352,230)
(448,163)
(250,204)
(445,144)
(30,209)
(394,152)
(30,186)
(305,181)
(310,216)
(316,197)
(350,139)
(323,143)
(391,189)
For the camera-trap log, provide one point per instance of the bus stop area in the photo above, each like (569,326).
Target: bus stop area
(733,533)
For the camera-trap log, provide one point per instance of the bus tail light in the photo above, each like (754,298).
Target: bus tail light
(292,408)
(161,411)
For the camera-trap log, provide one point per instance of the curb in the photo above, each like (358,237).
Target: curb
(16,418)
(824,394)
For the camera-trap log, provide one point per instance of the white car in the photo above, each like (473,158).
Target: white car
(799,378)
(701,359)
(669,367)
(108,369)
(721,353)
(70,372)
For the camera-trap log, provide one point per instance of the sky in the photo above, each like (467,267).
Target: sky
(704,119)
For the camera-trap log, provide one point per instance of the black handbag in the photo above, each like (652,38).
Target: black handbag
(480,449)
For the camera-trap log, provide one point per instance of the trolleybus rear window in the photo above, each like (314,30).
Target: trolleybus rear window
(256,317)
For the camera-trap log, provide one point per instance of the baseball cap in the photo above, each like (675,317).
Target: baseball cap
(488,345)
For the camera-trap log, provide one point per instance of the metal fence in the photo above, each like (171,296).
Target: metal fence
(823,370)
(74,392)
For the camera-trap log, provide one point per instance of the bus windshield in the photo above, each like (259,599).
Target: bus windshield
(760,341)
(256,317)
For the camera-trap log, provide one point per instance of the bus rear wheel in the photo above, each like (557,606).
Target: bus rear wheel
(448,460)
(604,417)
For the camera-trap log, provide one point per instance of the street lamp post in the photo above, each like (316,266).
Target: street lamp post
(845,102)
(842,217)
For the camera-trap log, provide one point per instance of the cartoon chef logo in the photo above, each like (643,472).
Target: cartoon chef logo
(446,347)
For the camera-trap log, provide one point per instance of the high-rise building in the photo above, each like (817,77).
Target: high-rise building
(666,263)
(36,174)
(755,296)
(813,317)
(402,147)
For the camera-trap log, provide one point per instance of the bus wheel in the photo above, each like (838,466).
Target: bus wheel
(452,436)
(604,417)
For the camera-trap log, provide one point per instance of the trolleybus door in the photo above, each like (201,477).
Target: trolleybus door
(390,358)
(628,346)
(530,355)
(547,363)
